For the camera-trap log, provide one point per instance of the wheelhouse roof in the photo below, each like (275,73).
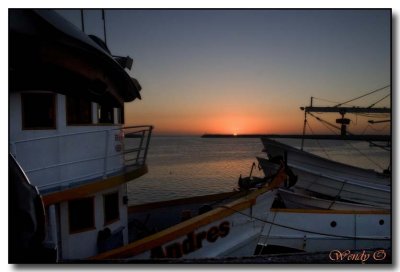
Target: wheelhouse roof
(46,52)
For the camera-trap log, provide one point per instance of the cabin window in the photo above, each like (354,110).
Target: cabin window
(105,114)
(38,110)
(79,111)
(81,214)
(120,115)
(111,208)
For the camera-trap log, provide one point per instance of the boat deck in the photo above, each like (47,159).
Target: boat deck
(150,218)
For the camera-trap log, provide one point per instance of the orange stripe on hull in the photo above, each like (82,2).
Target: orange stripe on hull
(93,187)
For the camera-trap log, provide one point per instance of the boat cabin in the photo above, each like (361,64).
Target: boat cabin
(66,131)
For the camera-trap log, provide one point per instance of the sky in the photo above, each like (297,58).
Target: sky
(343,55)
(247,71)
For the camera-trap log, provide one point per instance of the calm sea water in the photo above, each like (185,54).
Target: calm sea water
(192,166)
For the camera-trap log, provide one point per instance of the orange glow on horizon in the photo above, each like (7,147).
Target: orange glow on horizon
(234,124)
(234,118)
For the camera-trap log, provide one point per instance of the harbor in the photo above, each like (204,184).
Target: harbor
(98,176)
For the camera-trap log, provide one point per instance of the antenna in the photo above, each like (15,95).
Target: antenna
(104,25)
(82,21)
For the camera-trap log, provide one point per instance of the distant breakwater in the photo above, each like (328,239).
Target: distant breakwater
(297,136)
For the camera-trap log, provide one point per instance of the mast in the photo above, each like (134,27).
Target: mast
(103,16)
(305,123)
(82,21)
(343,110)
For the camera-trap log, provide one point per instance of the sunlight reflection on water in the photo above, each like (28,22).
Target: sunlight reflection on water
(191,166)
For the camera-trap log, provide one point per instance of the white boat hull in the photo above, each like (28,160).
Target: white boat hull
(302,159)
(332,186)
(316,230)
(368,194)
(229,229)
(299,200)
(240,241)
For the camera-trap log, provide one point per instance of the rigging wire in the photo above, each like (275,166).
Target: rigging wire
(374,91)
(348,132)
(330,125)
(332,102)
(365,129)
(379,101)
(265,243)
(364,155)
(323,121)
(325,100)
(348,143)
(377,129)
(318,142)
(383,115)
(330,129)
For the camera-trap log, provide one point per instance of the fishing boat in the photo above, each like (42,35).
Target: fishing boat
(296,198)
(317,164)
(307,230)
(71,157)
(333,186)
(329,205)
(310,221)
(227,228)
(326,177)
(67,133)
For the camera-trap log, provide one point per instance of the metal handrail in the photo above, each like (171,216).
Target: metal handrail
(143,132)
(83,132)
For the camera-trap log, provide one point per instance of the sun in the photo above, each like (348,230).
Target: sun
(235,134)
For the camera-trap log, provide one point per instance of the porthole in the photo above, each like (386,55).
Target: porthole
(333,224)
(381,222)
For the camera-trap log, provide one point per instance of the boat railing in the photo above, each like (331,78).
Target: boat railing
(136,144)
(72,157)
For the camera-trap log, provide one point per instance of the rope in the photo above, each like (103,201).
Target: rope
(372,161)
(298,229)
(376,129)
(374,91)
(384,115)
(348,132)
(265,243)
(323,121)
(378,101)
(348,143)
(365,129)
(325,100)
(319,144)
(333,102)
